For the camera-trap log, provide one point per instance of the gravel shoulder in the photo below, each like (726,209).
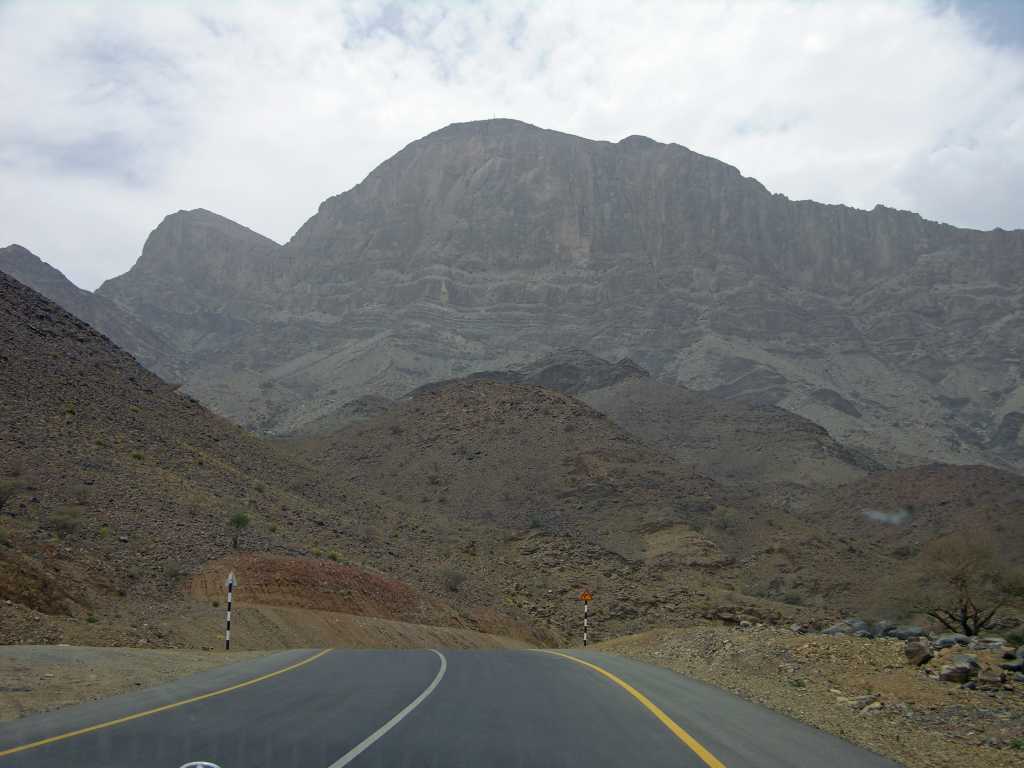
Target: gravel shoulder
(43,678)
(859,689)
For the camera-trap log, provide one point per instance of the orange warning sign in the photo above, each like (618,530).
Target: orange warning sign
(586,597)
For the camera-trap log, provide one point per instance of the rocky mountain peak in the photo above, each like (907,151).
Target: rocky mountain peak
(486,245)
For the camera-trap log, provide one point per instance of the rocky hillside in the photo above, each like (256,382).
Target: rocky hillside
(118,491)
(730,441)
(124,329)
(485,244)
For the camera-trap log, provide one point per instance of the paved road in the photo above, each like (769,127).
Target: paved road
(426,708)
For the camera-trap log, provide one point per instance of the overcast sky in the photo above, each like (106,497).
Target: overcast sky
(116,114)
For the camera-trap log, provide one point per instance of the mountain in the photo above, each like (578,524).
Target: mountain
(124,329)
(487,244)
(730,441)
(117,492)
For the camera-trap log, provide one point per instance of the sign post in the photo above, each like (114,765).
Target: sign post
(586,597)
(227,631)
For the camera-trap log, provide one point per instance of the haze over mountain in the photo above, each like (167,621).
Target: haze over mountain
(485,245)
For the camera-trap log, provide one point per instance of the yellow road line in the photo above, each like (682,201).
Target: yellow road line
(698,749)
(164,708)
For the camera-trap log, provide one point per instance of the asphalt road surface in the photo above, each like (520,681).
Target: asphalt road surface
(313,709)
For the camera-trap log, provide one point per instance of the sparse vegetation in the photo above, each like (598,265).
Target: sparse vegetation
(964,584)
(8,489)
(453,579)
(239,521)
(65,521)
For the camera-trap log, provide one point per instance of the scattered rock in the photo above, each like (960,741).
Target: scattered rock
(906,632)
(991,678)
(851,626)
(949,640)
(918,651)
(873,708)
(962,669)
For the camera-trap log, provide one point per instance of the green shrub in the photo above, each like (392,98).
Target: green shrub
(91,619)
(138,455)
(104,531)
(239,521)
(64,521)
(333,556)
(8,489)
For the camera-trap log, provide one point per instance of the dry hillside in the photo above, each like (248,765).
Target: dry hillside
(123,488)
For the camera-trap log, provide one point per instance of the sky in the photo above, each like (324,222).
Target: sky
(116,114)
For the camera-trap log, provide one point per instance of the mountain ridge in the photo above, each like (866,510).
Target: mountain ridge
(487,244)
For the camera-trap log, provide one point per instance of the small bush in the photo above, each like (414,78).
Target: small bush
(317,552)
(273,528)
(91,619)
(1017,744)
(1015,639)
(453,579)
(138,455)
(215,603)
(64,521)
(8,489)
(5,538)
(104,531)
(333,556)
(101,443)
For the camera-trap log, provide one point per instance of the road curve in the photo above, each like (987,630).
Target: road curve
(303,709)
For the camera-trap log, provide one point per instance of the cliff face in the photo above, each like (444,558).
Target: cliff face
(488,244)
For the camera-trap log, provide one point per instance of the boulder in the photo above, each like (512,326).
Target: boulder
(883,628)
(1017,665)
(965,658)
(991,678)
(906,632)
(987,644)
(962,668)
(918,651)
(956,673)
(852,626)
(949,640)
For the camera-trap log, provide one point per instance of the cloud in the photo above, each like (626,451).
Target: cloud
(116,114)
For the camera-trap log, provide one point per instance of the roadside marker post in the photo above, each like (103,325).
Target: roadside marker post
(227,631)
(586,597)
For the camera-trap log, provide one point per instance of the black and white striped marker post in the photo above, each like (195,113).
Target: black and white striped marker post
(586,597)
(227,630)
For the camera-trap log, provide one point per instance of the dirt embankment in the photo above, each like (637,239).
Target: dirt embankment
(862,690)
(36,678)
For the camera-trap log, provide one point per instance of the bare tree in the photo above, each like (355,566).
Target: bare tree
(963,583)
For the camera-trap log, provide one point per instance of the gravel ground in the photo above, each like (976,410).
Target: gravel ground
(42,678)
(862,690)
